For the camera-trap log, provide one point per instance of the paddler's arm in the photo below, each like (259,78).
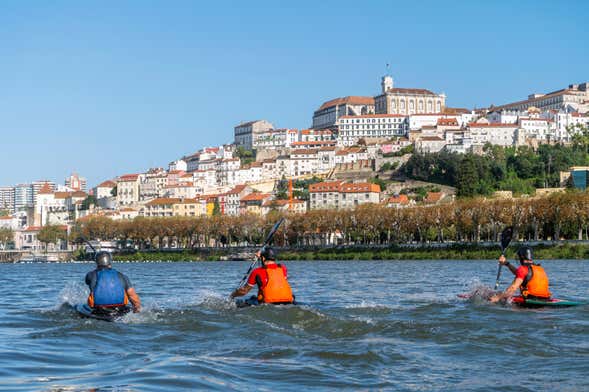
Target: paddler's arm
(243,290)
(134,298)
(508,293)
(503,261)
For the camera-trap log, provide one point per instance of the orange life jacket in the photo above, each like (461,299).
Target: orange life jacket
(91,301)
(536,282)
(277,289)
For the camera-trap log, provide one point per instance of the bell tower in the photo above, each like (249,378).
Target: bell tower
(386,83)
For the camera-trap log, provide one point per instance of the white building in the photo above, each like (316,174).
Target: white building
(353,128)
(179,164)
(246,132)
(275,139)
(128,189)
(152,183)
(499,134)
(304,162)
(575,97)
(394,100)
(540,129)
(328,113)
(429,144)
(7,198)
(339,195)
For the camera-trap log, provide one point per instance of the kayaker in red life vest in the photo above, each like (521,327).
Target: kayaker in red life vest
(271,279)
(109,288)
(530,278)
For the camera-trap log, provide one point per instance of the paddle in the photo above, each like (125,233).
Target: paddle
(268,240)
(505,240)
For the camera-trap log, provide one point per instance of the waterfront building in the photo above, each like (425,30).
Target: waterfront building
(339,195)
(246,132)
(406,101)
(329,112)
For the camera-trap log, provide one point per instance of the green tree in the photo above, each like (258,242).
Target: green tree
(6,237)
(113,191)
(216,208)
(4,212)
(88,201)
(51,234)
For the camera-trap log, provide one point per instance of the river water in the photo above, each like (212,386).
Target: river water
(371,325)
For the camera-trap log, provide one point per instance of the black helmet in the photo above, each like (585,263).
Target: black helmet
(268,253)
(103,259)
(524,253)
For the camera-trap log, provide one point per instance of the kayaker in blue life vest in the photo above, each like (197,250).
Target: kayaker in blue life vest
(110,289)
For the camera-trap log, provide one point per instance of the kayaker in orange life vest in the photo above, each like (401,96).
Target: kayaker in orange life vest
(271,279)
(530,278)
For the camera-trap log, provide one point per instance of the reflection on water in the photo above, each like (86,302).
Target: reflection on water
(366,325)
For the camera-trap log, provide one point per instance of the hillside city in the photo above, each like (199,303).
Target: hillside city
(351,155)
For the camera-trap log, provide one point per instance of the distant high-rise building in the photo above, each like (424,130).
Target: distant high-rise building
(7,198)
(23,196)
(75,182)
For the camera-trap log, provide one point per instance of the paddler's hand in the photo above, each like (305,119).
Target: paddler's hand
(502,260)
(495,298)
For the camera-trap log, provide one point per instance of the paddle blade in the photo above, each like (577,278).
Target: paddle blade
(506,237)
(271,233)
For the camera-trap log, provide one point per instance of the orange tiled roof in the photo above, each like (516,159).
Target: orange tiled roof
(433,197)
(420,91)
(255,197)
(128,177)
(163,201)
(349,100)
(360,188)
(107,184)
(400,199)
(45,189)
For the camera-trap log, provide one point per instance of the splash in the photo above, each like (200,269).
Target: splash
(72,294)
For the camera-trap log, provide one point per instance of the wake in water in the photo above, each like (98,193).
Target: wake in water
(478,292)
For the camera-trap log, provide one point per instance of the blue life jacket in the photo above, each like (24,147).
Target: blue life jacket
(109,289)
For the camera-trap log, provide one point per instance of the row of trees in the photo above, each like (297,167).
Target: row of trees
(563,215)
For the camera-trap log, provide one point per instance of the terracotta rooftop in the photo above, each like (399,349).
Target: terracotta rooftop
(434,197)
(419,91)
(256,197)
(350,100)
(399,199)
(163,201)
(107,184)
(128,177)
(237,189)
(45,189)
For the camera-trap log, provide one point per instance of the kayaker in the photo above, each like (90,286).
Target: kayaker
(271,279)
(530,278)
(110,290)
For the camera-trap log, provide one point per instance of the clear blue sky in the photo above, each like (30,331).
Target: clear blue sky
(107,88)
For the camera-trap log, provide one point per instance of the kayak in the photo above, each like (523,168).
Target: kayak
(528,303)
(253,301)
(539,303)
(102,314)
